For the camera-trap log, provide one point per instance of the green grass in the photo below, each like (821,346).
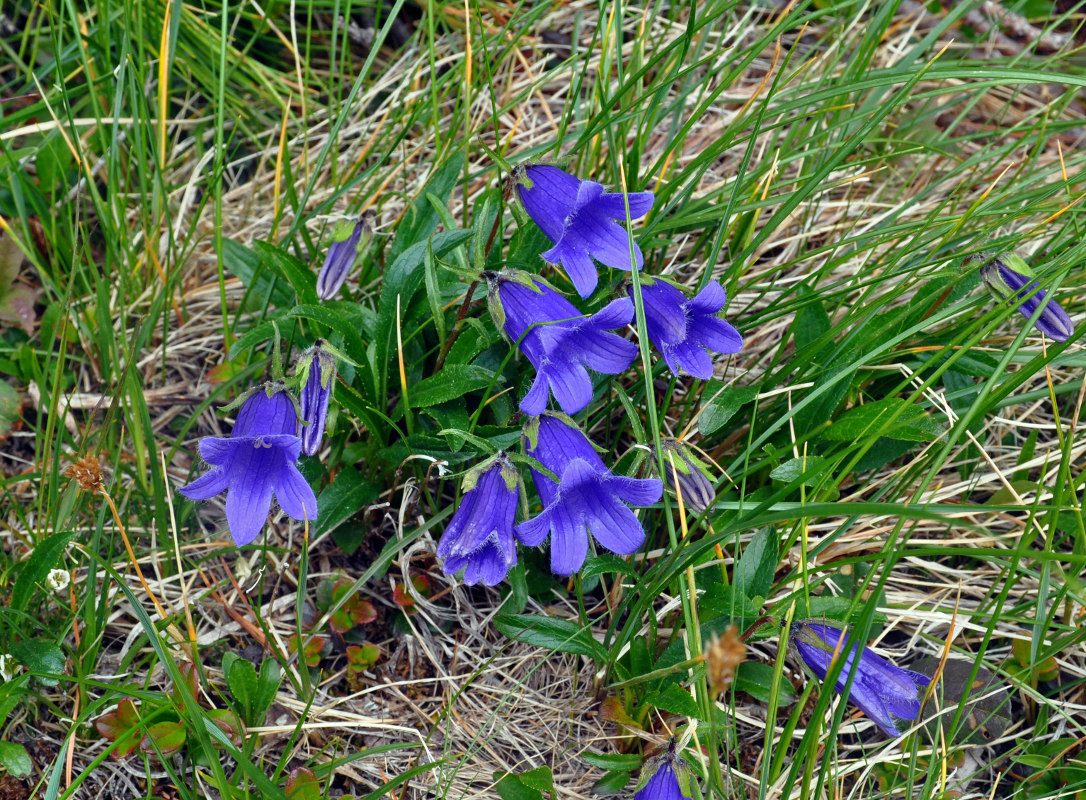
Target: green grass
(171,175)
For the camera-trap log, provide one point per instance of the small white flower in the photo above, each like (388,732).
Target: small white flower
(58,579)
(7,667)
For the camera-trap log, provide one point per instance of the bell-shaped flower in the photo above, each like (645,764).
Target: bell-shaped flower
(1011,279)
(588,497)
(683,328)
(664,783)
(479,539)
(882,691)
(257,461)
(582,220)
(559,340)
(350,241)
(318,368)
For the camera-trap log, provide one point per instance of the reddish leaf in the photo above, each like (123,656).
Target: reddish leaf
(167,737)
(362,657)
(230,723)
(121,726)
(303,785)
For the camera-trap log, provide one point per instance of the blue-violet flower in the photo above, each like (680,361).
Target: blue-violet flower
(350,240)
(882,691)
(258,460)
(582,220)
(480,535)
(588,497)
(689,473)
(319,368)
(1011,279)
(663,785)
(558,340)
(682,328)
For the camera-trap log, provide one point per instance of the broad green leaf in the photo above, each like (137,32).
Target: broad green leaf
(247,266)
(44,557)
(422,217)
(892,417)
(621,762)
(42,657)
(758,564)
(15,759)
(756,679)
(454,380)
(674,699)
(344,497)
(302,279)
(794,468)
(723,406)
(550,633)
(611,783)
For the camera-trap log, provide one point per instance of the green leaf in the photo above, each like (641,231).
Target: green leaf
(606,563)
(454,380)
(550,633)
(247,266)
(758,564)
(811,321)
(674,699)
(164,738)
(620,762)
(303,785)
(756,679)
(892,417)
(281,263)
(241,679)
(422,217)
(611,783)
(794,468)
(344,497)
(402,280)
(540,778)
(44,557)
(41,657)
(723,406)
(509,786)
(15,759)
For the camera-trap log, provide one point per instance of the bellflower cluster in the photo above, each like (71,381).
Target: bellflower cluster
(683,328)
(588,497)
(257,461)
(1011,279)
(480,536)
(582,220)
(885,693)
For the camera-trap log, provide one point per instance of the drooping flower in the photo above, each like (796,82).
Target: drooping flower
(258,460)
(683,328)
(1010,278)
(588,497)
(666,777)
(582,220)
(882,691)
(559,340)
(319,367)
(350,240)
(480,535)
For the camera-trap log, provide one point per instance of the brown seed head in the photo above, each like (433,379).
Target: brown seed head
(87,473)
(723,657)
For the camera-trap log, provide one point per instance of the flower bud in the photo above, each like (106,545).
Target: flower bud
(319,369)
(349,243)
(1009,278)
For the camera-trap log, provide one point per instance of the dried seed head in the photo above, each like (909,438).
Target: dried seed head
(723,657)
(87,473)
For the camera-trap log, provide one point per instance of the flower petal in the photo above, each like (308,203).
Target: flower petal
(612,205)
(211,483)
(550,199)
(534,402)
(604,239)
(577,263)
(716,334)
(247,505)
(709,300)
(570,385)
(294,494)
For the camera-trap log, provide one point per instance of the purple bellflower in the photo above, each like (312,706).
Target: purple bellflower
(558,340)
(683,328)
(259,459)
(350,240)
(588,497)
(582,220)
(1010,278)
(882,691)
(480,535)
(663,785)
(319,368)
